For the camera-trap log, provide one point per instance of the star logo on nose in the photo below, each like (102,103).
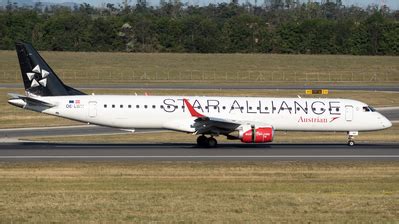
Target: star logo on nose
(38,80)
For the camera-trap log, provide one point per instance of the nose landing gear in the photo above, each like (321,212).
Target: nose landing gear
(351,143)
(351,134)
(203,141)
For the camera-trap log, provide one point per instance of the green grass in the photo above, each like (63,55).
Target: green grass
(201,192)
(229,69)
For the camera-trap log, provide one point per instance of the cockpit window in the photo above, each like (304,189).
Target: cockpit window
(368,109)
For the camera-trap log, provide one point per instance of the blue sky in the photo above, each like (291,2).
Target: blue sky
(393,4)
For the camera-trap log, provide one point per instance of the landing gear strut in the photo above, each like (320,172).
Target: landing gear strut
(203,141)
(351,138)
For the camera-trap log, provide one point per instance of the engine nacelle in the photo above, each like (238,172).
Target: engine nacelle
(258,135)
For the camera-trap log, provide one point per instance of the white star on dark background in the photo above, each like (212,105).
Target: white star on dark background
(41,81)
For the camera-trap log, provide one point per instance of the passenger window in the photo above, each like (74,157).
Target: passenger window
(105,105)
(113,105)
(224,107)
(153,106)
(145,106)
(121,106)
(137,106)
(129,106)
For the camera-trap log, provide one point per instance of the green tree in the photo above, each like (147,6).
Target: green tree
(389,43)
(289,39)
(200,35)
(240,34)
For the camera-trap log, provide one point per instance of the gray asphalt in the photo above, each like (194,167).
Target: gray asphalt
(189,152)
(66,131)
(199,86)
(391,113)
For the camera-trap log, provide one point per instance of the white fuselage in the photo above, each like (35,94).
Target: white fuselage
(170,112)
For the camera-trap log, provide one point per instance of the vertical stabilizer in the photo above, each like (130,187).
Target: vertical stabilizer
(39,79)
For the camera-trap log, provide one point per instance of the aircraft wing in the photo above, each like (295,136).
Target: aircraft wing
(211,125)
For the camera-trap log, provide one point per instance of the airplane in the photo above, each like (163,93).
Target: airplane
(249,119)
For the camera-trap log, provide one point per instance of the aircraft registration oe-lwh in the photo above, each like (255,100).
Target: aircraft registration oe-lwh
(249,119)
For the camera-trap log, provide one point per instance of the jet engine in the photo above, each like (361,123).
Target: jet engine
(253,134)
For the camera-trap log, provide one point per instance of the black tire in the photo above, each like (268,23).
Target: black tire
(351,143)
(202,141)
(212,142)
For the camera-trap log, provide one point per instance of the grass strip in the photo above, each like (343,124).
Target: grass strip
(201,192)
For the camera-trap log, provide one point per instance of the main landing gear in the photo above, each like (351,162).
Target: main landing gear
(203,141)
(351,138)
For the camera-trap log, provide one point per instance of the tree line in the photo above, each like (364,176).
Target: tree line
(310,28)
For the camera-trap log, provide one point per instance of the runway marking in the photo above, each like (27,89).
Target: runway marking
(205,157)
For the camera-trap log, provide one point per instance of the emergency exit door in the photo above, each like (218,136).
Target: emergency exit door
(349,113)
(92,109)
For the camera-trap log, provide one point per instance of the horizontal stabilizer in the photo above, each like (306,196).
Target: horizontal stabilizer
(22,101)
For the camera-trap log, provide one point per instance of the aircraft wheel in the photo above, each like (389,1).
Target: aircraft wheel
(202,141)
(351,143)
(212,142)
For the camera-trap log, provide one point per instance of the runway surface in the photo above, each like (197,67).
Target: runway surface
(392,113)
(189,152)
(199,86)
(79,130)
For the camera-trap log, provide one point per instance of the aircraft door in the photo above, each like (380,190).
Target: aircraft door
(92,109)
(349,113)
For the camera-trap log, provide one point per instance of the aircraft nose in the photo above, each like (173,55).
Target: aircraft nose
(385,122)
(388,123)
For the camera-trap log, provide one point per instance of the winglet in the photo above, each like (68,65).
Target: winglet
(193,112)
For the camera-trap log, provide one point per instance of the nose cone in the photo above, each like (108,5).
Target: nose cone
(388,123)
(385,122)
